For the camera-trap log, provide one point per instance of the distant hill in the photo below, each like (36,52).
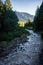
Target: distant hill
(24,16)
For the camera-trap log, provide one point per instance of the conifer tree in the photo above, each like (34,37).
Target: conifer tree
(38,20)
(2,11)
(8,5)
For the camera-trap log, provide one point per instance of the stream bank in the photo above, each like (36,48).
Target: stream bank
(25,54)
(9,46)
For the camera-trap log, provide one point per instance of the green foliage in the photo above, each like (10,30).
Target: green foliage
(10,21)
(1,7)
(29,24)
(2,13)
(20,30)
(38,20)
(8,18)
(35,19)
(8,5)
(8,36)
(9,27)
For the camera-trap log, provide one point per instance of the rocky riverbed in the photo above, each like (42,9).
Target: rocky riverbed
(10,45)
(26,53)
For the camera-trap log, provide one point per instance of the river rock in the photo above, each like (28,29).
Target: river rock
(8,46)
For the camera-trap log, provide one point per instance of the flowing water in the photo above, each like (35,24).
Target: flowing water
(25,54)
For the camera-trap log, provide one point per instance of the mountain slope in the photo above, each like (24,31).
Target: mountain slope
(24,16)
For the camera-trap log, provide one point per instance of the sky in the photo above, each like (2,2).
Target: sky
(28,6)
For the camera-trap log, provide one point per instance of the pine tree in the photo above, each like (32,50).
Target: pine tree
(2,11)
(38,20)
(8,18)
(8,5)
(1,7)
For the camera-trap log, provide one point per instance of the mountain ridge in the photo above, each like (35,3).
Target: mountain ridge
(24,16)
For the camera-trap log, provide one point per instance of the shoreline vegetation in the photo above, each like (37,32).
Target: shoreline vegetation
(11,33)
(8,36)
